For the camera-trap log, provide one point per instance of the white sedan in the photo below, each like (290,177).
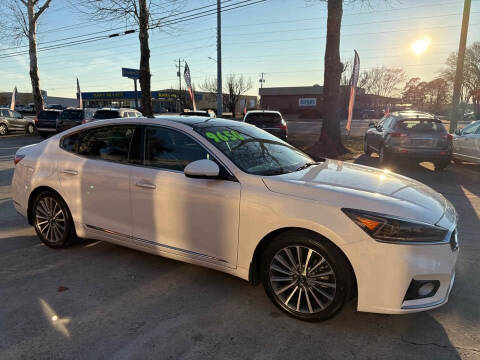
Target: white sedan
(229,196)
(466,143)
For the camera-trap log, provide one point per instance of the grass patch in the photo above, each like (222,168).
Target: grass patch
(306,142)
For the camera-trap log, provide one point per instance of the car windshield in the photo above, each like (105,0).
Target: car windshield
(106,114)
(72,114)
(253,150)
(48,115)
(415,126)
(255,118)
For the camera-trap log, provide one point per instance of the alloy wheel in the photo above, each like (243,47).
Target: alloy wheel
(50,219)
(302,279)
(3,129)
(30,129)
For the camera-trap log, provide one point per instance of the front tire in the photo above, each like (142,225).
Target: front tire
(441,165)
(305,276)
(52,220)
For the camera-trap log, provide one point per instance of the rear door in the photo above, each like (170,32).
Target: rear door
(95,178)
(15,120)
(470,141)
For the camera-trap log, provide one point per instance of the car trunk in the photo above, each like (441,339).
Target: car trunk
(270,122)
(420,134)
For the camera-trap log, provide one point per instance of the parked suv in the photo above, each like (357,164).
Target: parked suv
(71,117)
(271,121)
(415,135)
(14,121)
(112,113)
(46,122)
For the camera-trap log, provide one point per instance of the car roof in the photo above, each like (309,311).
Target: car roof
(411,114)
(263,111)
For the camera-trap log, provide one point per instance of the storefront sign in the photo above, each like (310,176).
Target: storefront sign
(307,102)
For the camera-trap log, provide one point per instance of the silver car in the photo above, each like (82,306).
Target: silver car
(13,121)
(466,143)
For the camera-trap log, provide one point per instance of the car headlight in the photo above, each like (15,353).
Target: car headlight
(392,229)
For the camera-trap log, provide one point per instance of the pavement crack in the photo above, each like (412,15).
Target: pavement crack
(447,347)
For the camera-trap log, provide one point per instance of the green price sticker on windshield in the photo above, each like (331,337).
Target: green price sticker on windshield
(224,136)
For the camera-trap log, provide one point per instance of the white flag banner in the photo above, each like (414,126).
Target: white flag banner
(14,99)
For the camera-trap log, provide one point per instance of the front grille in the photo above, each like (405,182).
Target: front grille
(454,240)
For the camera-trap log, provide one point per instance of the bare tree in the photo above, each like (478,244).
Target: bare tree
(382,81)
(234,87)
(134,13)
(470,90)
(20,22)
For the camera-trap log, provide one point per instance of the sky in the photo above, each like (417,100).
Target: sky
(285,39)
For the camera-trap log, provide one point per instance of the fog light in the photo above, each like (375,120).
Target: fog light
(426,289)
(420,289)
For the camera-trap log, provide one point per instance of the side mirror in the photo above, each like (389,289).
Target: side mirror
(371,124)
(458,132)
(202,169)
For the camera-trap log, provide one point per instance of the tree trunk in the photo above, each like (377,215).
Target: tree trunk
(330,140)
(32,48)
(145,75)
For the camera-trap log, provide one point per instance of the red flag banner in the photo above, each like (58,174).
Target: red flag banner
(79,95)
(14,99)
(353,89)
(188,81)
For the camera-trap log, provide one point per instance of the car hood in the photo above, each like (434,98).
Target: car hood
(362,187)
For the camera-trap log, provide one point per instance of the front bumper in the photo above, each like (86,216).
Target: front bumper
(385,271)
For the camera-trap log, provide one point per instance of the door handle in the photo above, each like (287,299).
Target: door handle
(71,172)
(145,185)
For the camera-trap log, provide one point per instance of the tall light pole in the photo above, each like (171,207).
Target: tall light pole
(457,86)
(219,60)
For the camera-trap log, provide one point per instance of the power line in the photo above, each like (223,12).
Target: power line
(104,37)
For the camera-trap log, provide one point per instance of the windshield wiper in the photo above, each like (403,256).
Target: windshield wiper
(306,165)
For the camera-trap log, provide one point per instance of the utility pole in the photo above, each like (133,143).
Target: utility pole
(179,74)
(261,80)
(219,60)
(457,86)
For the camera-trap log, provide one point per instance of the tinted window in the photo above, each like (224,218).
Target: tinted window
(253,150)
(471,129)
(48,115)
(415,126)
(255,118)
(72,114)
(169,149)
(4,113)
(106,114)
(110,143)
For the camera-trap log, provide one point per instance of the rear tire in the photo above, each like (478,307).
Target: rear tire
(30,129)
(305,275)
(52,220)
(384,157)
(3,129)
(366,149)
(441,165)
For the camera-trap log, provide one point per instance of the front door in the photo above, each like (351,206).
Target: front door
(195,218)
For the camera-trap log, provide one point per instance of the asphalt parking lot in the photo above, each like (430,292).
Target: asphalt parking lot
(96,300)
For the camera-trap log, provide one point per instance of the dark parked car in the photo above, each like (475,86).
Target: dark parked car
(55,107)
(414,135)
(72,117)
(46,122)
(271,121)
(14,121)
(113,113)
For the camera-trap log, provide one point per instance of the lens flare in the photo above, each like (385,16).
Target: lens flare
(421,45)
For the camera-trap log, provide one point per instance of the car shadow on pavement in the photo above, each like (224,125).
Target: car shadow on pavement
(114,302)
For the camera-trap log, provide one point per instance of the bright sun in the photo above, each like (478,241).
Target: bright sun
(421,45)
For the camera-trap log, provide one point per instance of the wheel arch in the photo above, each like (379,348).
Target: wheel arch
(254,269)
(33,196)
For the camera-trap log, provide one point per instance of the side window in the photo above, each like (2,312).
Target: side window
(471,129)
(4,113)
(387,123)
(169,149)
(110,143)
